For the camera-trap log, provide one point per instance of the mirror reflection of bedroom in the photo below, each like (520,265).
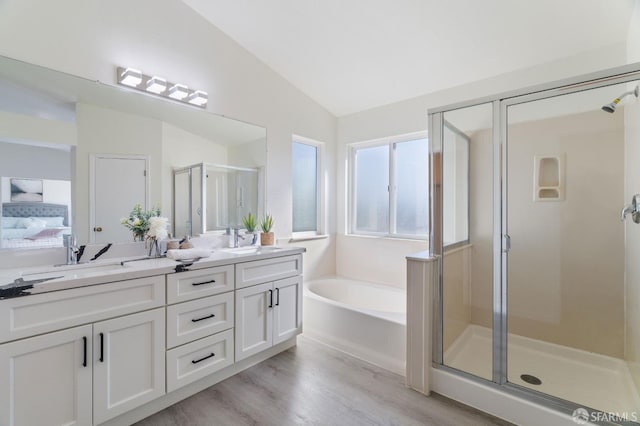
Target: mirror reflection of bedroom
(35,192)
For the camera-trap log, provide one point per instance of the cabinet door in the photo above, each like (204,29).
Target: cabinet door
(129,363)
(287,311)
(254,320)
(46,380)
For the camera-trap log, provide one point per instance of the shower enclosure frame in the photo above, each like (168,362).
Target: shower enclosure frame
(499,104)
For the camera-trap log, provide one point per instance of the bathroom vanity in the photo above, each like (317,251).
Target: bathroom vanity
(111,342)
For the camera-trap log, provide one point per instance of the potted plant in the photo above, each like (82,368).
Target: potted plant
(267,237)
(250,223)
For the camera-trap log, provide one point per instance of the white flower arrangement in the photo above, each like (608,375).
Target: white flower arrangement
(146,225)
(158,228)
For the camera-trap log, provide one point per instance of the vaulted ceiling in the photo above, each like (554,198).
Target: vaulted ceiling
(353,55)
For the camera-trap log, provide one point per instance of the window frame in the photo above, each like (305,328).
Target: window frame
(391,142)
(320,189)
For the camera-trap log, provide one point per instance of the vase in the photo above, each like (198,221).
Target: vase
(267,238)
(154,247)
(138,237)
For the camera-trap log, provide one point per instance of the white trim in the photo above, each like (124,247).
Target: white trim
(92,182)
(495,402)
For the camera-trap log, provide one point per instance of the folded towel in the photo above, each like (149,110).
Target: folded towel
(192,253)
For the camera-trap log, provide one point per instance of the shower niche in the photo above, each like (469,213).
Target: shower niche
(212,197)
(548,177)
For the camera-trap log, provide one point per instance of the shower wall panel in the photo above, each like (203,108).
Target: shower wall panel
(456,293)
(566,265)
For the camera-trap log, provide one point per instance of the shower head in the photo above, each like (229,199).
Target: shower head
(611,108)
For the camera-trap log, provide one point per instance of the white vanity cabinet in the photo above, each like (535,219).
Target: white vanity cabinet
(46,380)
(95,370)
(128,363)
(111,353)
(270,312)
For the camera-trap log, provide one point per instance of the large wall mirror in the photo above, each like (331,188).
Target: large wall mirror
(77,155)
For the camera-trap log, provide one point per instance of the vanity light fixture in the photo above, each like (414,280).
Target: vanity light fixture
(198,97)
(156,85)
(159,86)
(178,91)
(130,77)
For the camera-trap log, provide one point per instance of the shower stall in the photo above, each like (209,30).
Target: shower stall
(534,226)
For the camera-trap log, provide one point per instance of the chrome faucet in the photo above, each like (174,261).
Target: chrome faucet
(235,235)
(72,249)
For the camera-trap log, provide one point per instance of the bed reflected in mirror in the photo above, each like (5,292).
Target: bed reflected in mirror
(35,194)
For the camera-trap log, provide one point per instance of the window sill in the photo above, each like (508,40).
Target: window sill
(296,238)
(388,238)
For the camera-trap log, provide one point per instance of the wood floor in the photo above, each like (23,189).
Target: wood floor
(312,384)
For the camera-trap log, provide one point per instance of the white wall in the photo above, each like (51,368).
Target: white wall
(89,38)
(23,128)
(27,161)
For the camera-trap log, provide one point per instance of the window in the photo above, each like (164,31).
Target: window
(305,186)
(390,187)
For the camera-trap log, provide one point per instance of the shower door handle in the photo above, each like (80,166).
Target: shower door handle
(507,243)
(633,209)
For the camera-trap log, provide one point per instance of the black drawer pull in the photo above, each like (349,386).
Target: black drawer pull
(101,347)
(84,342)
(277,297)
(195,361)
(203,318)
(204,282)
(270,299)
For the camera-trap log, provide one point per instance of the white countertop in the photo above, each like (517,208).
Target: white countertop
(66,277)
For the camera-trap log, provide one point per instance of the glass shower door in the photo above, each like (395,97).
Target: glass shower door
(565,269)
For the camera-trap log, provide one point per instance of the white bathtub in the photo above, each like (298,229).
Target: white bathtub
(363,319)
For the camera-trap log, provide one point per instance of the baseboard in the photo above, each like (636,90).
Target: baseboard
(356,351)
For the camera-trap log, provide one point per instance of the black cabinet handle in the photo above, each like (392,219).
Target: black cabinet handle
(277,296)
(195,361)
(84,342)
(203,318)
(270,298)
(204,282)
(101,347)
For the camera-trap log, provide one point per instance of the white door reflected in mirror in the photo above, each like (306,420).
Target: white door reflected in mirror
(122,183)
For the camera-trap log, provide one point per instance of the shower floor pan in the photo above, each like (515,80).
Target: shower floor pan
(596,381)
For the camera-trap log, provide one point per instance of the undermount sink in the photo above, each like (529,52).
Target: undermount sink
(250,249)
(80,269)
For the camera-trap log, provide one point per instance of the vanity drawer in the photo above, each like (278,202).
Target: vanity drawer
(190,285)
(198,359)
(199,318)
(41,313)
(262,271)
